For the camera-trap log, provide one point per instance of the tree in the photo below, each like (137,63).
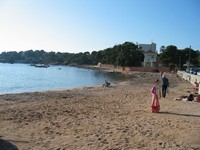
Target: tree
(169,56)
(162,48)
(93,57)
(194,56)
(129,55)
(126,54)
(50,57)
(172,56)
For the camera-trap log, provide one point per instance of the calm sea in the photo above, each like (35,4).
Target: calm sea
(19,78)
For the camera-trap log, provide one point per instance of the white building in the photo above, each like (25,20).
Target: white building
(150,59)
(148,47)
(150,54)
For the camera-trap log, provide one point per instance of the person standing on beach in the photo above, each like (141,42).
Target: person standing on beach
(165,85)
(161,82)
(155,91)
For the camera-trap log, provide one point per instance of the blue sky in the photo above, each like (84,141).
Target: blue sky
(91,25)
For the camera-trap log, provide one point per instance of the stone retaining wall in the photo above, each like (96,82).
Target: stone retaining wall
(189,77)
(146,69)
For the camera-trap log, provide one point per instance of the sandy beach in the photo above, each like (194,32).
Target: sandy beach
(102,118)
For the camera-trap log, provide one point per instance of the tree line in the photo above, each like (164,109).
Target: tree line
(126,54)
(171,55)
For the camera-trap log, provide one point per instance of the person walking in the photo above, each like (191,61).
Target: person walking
(165,85)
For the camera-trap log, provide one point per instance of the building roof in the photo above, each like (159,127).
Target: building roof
(147,47)
(150,51)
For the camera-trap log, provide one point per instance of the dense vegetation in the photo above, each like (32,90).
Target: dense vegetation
(170,55)
(126,54)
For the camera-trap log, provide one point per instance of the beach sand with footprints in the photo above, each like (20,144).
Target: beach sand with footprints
(102,118)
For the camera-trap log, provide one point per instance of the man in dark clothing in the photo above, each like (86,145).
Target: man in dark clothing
(165,85)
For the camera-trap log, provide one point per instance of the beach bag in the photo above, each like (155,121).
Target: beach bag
(155,108)
(167,90)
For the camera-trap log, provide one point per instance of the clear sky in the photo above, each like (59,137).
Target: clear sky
(91,25)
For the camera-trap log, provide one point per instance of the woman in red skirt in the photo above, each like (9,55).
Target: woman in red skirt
(155,91)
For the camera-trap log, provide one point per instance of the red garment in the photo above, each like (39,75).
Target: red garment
(155,105)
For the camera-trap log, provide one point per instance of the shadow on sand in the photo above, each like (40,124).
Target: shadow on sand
(187,115)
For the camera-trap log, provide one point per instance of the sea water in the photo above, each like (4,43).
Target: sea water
(19,78)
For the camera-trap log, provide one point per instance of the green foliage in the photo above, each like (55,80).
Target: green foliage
(126,54)
(169,55)
(173,56)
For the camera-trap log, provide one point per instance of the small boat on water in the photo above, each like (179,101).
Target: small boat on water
(40,65)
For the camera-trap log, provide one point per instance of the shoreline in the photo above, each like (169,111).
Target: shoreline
(104,69)
(117,117)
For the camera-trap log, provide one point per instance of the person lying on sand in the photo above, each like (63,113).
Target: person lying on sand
(106,84)
(196,87)
(196,98)
(190,97)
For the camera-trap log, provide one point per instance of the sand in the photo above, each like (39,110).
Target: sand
(102,118)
